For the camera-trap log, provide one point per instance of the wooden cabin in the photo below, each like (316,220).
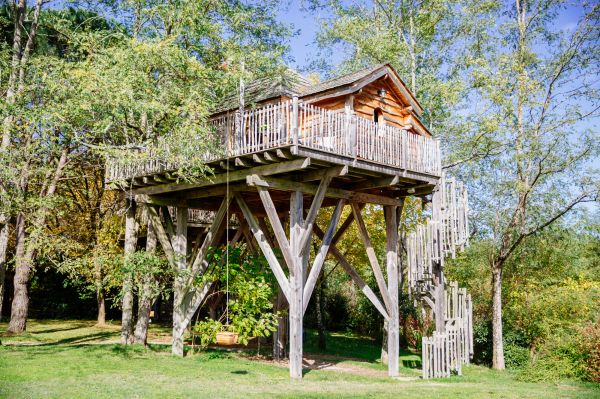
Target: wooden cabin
(294,149)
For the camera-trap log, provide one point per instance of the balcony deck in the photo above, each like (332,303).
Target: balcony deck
(302,138)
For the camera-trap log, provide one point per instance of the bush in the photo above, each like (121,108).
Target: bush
(590,347)
(566,354)
(516,350)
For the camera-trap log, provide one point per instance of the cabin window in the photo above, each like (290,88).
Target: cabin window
(378,115)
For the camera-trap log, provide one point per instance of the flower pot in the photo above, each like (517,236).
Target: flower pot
(227,338)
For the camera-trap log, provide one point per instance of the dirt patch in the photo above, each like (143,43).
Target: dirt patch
(335,364)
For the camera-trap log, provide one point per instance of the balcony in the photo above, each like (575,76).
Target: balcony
(292,124)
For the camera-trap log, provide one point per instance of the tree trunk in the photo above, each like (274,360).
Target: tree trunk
(384,344)
(140,335)
(320,307)
(497,343)
(20,302)
(4,232)
(101,320)
(130,246)
(279,335)
(25,250)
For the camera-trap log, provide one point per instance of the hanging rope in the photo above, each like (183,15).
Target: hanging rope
(228,149)
(227,247)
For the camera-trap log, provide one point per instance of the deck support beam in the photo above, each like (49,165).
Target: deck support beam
(179,305)
(315,270)
(131,228)
(391,224)
(296,283)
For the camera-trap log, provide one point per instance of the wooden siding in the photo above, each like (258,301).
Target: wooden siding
(396,112)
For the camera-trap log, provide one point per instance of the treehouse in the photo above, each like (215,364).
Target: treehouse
(294,148)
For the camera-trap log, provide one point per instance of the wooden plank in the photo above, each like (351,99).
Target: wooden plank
(289,185)
(372,256)
(312,213)
(199,263)
(161,201)
(376,183)
(319,174)
(321,255)
(261,239)
(161,234)
(212,191)
(284,245)
(235,176)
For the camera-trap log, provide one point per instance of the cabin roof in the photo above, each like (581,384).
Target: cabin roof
(291,83)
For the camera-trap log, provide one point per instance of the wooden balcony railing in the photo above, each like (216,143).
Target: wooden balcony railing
(292,123)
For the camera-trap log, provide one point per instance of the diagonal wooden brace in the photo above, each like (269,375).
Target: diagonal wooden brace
(364,234)
(321,255)
(283,242)
(261,239)
(355,276)
(199,263)
(312,213)
(161,234)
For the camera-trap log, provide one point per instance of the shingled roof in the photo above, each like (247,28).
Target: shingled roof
(291,83)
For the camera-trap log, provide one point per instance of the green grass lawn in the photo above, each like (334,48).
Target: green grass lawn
(74,359)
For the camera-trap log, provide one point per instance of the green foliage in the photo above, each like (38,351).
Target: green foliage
(248,283)
(145,266)
(550,297)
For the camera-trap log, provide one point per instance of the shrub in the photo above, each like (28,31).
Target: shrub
(563,355)
(590,347)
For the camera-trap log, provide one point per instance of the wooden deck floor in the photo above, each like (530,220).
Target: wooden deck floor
(283,170)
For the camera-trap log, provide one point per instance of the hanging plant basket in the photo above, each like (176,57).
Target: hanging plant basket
(227,338)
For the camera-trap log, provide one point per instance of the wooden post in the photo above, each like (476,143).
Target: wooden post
(440,296)
(130,246)
(391,223)
(179,285)
(295,123)
(296,284)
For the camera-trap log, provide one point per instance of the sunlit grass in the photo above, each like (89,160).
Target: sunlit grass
(74,359)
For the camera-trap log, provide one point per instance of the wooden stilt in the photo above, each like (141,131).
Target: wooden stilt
(296,284)
(179,302)
(391,223)
(130,244)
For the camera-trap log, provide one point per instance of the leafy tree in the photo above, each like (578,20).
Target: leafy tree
(535,97)
(105,89)
(417,37)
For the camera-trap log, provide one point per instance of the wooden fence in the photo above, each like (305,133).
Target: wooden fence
(444,353)
(292,123)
